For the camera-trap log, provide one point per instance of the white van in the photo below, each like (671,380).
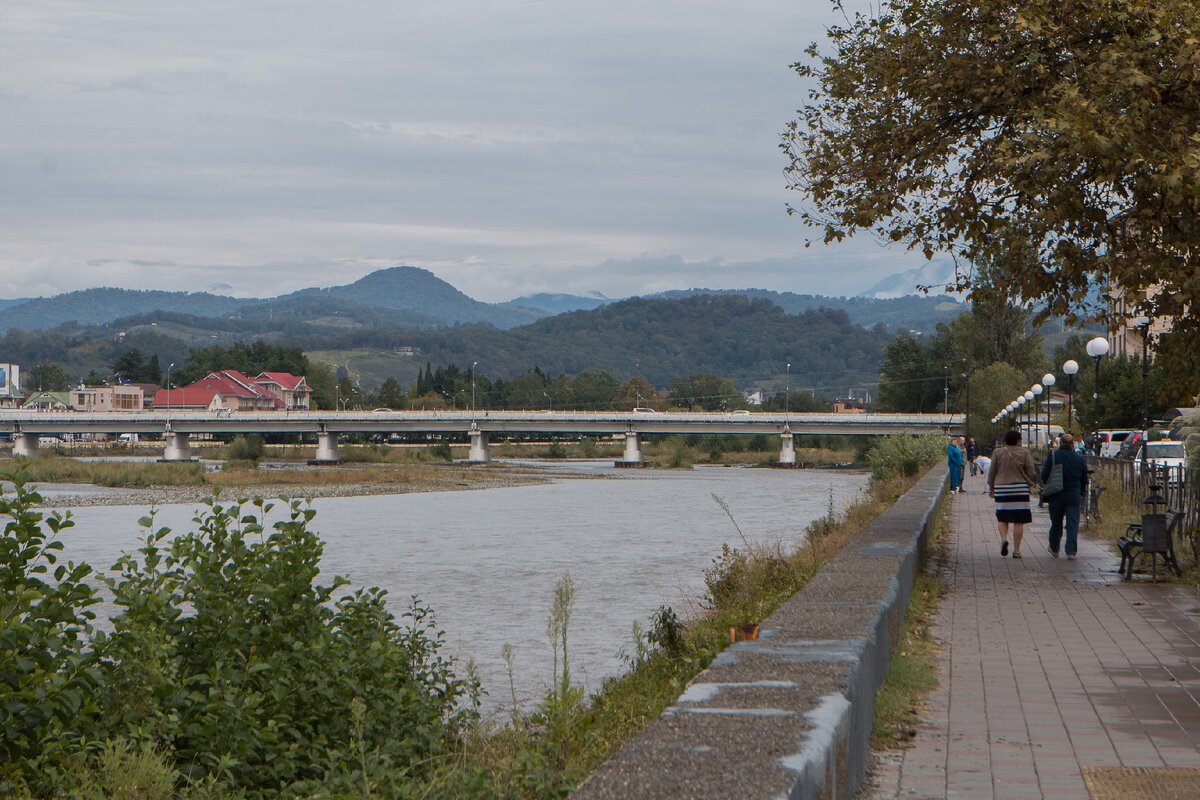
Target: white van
(1110,442)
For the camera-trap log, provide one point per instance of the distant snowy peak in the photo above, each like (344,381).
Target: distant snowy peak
(901,284)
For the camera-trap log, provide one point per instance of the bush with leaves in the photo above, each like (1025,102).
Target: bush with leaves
(48,674)
(905,455)
(232,656)
(229,667)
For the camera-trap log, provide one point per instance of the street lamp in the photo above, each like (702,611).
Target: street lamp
(1097,348)
(1069,369)
(1144,324)
(1037,413)
(170,367)
(1048,380)
(549,401)
(1029,395)
(787,390)
(474,364)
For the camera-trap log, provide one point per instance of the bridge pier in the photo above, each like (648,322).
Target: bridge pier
(633,452)
(479,452)
(177,447)
(787,451)
(26,445)
(327,450)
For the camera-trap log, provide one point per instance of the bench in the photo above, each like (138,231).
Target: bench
(1131,545)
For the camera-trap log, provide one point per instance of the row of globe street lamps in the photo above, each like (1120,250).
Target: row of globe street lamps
(1028,400)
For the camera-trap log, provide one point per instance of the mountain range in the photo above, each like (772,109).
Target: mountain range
(393,321)
(411,297)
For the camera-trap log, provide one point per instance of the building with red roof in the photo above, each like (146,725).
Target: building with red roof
(236,391)
(291,389)
(189,398)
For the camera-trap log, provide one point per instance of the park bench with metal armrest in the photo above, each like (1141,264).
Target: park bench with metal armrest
(1132,545)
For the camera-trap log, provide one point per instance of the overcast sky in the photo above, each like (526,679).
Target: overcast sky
(257,147)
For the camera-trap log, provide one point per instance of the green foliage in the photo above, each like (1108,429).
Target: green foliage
(708,392)
(228,666)
(248,358)
(441,451)
(992,388)
(50,676)
(246,448)
(132,366)
(47,376)
(915,374)
(982,128)
(1120,388)
(900,455)
(666,632)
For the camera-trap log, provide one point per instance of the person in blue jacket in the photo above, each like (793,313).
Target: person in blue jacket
(1064,505)
(954,461)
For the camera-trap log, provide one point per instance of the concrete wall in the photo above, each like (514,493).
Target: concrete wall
(789,716)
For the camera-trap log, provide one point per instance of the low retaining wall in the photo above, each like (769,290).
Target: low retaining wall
(789,715)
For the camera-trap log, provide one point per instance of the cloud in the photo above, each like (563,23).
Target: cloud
(514,147)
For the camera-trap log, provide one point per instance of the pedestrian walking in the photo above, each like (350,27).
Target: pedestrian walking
(1011,474)
(954,463)
(1064,503)
(972,455)
(984,463)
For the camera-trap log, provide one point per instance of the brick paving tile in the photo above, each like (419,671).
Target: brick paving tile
(1048,666)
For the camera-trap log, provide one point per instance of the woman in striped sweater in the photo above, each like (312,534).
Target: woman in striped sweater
(1009,480)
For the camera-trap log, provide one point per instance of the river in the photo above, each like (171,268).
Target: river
(487,560)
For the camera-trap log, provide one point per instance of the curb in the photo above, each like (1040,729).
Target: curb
(790,715)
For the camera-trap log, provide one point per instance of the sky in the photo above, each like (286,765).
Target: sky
(255,147)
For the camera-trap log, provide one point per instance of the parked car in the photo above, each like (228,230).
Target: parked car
(1110,442)
(1130,445)
(640,410)
(1165,454)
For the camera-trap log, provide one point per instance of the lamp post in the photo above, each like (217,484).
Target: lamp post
(1097,348)
(1048,380)
(170,367)
(474,364)
(1034,434)
(549,402)
(787,390)
(1069,368)
(1143,323)
(1029,395)
(946,391)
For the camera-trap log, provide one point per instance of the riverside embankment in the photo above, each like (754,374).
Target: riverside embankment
(789,715)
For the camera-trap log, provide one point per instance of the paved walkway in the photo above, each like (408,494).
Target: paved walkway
(1049,666)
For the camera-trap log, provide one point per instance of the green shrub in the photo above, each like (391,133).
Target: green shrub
(229,668)
(245,448)
(905,455)
(49,675)
(441,451)
(255,684)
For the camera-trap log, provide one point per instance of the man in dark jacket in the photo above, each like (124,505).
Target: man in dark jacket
(1065,504)
(972,454)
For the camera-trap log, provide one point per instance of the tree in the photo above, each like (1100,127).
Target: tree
(130,365)
(636,392)
(1064,129)
(992,388)
(709,392)
(390,395)
(48,377)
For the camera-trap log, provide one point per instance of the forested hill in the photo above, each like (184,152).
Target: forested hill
(908,313)
(98,306)
(733,336)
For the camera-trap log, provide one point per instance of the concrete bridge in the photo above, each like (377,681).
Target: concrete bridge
(26,427)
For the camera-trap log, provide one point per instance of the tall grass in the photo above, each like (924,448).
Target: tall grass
(53,469)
